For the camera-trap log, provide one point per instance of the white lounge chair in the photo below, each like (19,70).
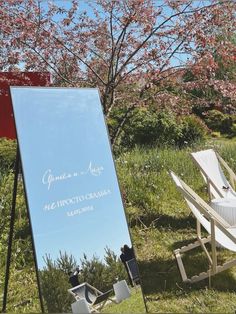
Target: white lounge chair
(210,164)
(94,297)
(218,229)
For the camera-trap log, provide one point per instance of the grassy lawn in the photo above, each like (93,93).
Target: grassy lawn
(134,304)
(162,222)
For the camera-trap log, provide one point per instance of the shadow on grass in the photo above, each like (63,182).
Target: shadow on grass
(179,244)
(164,221)
(162,275)
(175,223)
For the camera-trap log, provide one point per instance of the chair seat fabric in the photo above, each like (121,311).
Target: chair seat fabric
(209,166)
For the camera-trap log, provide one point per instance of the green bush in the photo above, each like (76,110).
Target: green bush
(22,237)
(7,154)
(193,130)
(218,121)
(168,128)
(149,127)
(233,129)
(140,128)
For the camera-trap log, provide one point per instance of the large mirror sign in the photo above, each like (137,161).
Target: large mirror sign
(84,255)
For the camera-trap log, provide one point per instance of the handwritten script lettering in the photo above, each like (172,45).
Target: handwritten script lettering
(49,178)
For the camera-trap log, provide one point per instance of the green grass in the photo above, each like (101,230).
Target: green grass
(162,222)
(134,304)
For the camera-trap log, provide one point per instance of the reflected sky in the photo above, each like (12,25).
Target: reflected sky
(71,185)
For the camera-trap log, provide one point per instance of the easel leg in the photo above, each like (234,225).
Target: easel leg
(10,240)
(35,260)
(12,221)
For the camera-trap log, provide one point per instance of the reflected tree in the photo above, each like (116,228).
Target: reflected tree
(98,273)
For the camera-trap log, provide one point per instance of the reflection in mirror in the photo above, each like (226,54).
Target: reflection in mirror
(84,254)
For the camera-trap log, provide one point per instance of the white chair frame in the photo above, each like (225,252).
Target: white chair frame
(209,220)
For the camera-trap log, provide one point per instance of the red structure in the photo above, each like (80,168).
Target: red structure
(7,79)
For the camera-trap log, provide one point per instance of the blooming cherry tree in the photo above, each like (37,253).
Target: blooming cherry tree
(115,44)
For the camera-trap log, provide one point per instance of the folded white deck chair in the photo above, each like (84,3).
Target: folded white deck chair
(218,229)
(210,164)
(95,298)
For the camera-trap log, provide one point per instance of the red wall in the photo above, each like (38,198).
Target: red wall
(7,124)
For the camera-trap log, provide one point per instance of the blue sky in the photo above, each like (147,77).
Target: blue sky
(71,185)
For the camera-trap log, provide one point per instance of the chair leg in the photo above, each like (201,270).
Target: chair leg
(189,247)
(213,248)
(202,243)
(204,275)
(181,266)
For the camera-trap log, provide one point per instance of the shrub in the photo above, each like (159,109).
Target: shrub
(218,121)
(168,128)
(7,153)
(193,129)
(140,129)
(148,127)
(233,129)
(22,244)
